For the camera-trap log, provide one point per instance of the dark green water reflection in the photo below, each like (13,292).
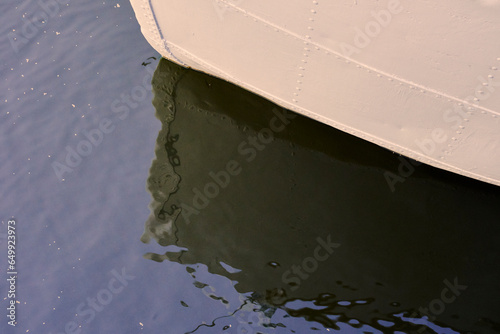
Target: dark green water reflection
(302,212)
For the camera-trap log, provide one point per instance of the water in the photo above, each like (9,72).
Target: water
(186,223)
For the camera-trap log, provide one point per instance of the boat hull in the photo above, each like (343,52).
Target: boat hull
(418,78)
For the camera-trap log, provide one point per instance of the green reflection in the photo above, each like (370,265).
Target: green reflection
(292,209)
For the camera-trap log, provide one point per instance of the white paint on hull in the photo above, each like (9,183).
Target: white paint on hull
(419,78)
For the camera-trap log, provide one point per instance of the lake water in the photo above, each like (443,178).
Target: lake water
(192,206)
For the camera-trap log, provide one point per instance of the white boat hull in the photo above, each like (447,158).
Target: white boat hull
(419,78)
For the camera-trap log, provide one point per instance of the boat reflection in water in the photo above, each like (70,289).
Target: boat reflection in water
(303,218)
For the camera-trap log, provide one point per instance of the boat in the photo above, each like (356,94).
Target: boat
(419,78)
